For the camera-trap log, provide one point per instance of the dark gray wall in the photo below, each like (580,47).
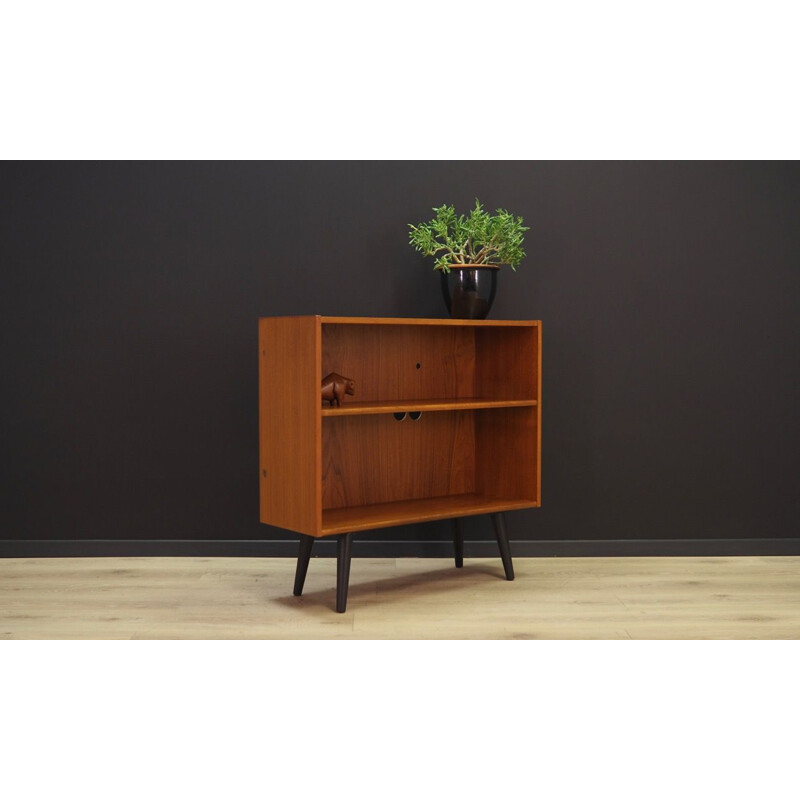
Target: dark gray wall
(668,291)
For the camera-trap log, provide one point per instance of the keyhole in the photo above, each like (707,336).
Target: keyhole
(418,365)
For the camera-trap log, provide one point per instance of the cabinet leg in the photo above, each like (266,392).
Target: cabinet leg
(502,541)
(303,557)
(458,541)
(342,571)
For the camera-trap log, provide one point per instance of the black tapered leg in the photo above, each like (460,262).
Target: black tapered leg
(458,541)
(502,541)
(342,571)
(303,557)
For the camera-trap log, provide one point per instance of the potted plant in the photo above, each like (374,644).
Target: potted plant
(469,251)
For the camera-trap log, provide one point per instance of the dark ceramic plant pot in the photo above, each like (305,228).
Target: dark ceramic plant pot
(469,290)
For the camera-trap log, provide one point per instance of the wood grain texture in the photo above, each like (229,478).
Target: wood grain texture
(507,362)
(356,461)
(383,359)
(538,363)
(429,322)
(444,404)
(506,460)
(508,440)
(290,423)
(378,459)
(425,509)
(423,598)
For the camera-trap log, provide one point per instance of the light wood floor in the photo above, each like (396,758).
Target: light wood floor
(251,598)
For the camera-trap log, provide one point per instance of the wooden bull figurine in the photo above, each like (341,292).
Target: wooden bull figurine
(335,387)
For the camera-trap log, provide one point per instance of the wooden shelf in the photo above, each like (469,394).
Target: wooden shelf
(334,471)
(444,404)
(437,322)
(384,515)
(326,470)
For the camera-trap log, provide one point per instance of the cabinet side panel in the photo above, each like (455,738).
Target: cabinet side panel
(539,413)
(290,423)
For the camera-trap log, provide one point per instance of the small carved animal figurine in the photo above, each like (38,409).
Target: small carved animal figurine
(335,387)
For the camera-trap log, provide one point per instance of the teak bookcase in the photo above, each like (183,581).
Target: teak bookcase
(445,423)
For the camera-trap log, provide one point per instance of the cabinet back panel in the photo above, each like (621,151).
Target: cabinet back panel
(507,453)
(382,360)
(377,459)
(507,362)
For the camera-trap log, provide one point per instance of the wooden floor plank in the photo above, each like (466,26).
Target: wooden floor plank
(251,598)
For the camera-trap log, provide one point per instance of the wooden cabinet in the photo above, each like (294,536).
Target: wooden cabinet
(445,422)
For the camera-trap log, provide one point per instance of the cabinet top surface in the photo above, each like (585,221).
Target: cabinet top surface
(414,321)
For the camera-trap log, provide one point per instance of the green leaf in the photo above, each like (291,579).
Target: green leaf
(478,237)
